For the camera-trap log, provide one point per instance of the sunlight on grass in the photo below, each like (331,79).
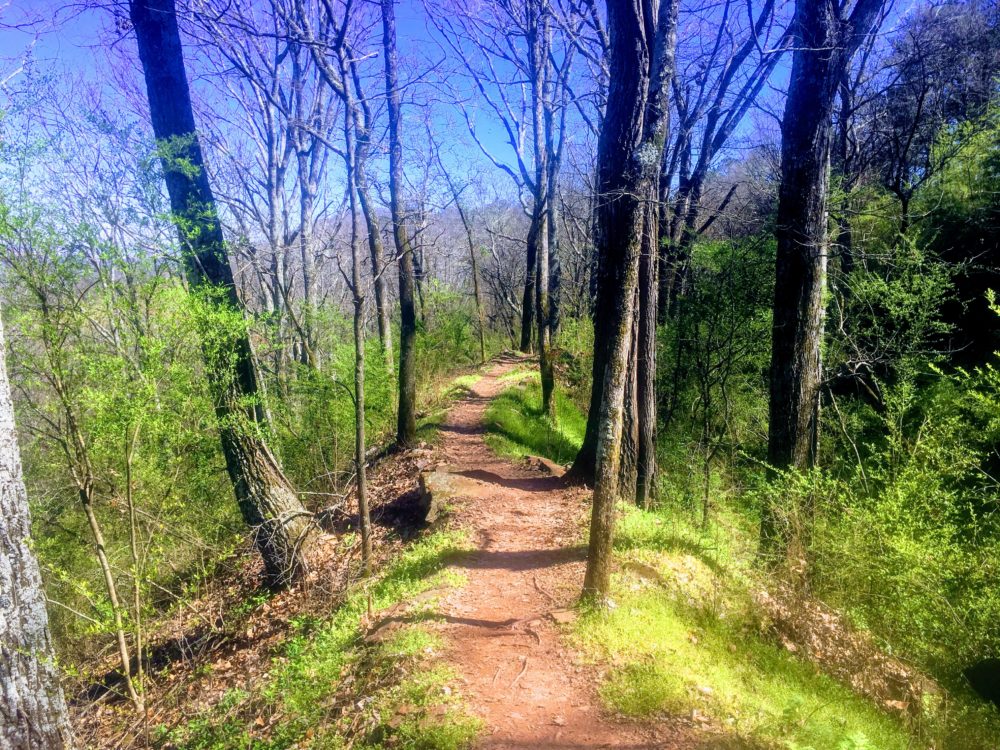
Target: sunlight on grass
(396,673)
(683,640)
(465,382)
(516,427)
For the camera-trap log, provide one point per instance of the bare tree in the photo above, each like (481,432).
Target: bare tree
(714,90)
(456,196)
(406,423)
(357,292)
(522,78)
(267,500)
(326,34)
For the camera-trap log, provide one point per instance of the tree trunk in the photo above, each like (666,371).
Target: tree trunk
(544,322)
(538,64)
(306,201)
(477,293)
(646,361)
(528,299)
(406,422)
(629,151)
(33,712)
(824,43)
(607,275)
(555,266)
(377,253)
(360,476)
(629,453)
(267,500)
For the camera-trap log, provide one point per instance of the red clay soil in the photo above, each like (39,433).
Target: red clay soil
(525,573)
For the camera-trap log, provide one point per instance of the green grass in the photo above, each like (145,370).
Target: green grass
(466,382)
(687,643)
(429,425)
(516,427)
(300,694)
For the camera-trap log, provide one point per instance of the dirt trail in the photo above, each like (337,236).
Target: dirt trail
(528,563)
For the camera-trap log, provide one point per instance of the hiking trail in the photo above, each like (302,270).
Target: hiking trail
(524,576)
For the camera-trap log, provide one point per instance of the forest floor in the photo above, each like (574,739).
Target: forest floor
(503,627)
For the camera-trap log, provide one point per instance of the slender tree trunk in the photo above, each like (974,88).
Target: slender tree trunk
(406,422)
(81,470)
(554,159)
(824,42)
(528,304)
(100,549)
(477,293)
(306,199)
(539,38)
(544,321)
(137,577)
(629,151)
(845,234)
(555,266)
(629,452)
(360,476)
(646,361)
(267,500)
(473,260)
(377,253)
(33,713)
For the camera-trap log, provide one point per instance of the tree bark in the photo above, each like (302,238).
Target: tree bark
(360,475)
(629,152)
(307,193)
(33,712)
(646,410)
(824,42)
(539,38)
(266,499)
(406,422)
(377,253)
(608,272)
(528,298)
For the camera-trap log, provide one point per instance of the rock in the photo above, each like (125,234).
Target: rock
(984,677)
(436,489)
(546,466)
(563,616)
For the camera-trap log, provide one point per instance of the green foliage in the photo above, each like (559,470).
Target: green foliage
(687,642)
(130,383)
(574,357)
(517,427)
(712,354)
(908,539)
(107,350)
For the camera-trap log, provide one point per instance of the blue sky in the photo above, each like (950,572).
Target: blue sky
(82,46)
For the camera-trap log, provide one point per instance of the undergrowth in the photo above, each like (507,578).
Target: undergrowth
(516,427)
(685,640)
(429,425)
(331,688)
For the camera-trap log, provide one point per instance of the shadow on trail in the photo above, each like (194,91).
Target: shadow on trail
(519,560)
(461,429)
(524,484)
